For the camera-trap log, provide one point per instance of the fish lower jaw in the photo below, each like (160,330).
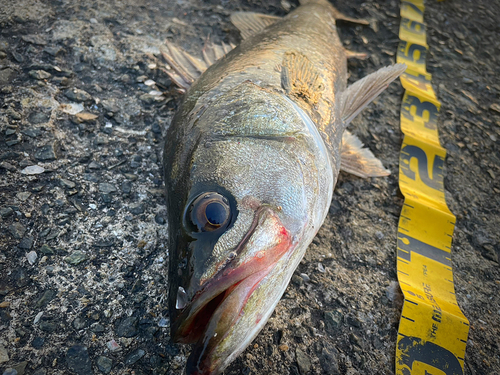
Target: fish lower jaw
(206,358)
(226,294)
(191,325)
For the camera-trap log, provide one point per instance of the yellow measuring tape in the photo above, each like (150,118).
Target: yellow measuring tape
(432,330)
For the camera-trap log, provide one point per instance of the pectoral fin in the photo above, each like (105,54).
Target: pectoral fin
(359,161)
(250,23)
(361,93)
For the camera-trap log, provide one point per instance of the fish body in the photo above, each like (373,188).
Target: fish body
(251,159)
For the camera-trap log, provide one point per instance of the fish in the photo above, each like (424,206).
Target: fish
(251,159)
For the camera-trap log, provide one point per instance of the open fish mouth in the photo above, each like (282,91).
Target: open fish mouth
(208,317)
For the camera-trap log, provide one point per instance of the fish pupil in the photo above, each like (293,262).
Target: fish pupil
(216,214)
(209,212)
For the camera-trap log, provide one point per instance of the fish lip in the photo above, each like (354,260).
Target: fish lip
(222,284)
(201,361)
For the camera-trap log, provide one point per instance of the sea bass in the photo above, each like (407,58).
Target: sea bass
(251,159)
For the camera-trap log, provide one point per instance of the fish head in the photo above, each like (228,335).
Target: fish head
(239,222)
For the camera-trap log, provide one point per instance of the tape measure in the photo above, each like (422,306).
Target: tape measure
(432,331)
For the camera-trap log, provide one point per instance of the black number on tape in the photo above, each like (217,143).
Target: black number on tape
(405,5)
(408,152)
(414,349)
(412,52)
(413,27)
(407,245)
(421,107)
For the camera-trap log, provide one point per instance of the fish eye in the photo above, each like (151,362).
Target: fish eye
(209,212)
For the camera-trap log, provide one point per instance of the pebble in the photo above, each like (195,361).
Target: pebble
(71,108)
(355,340)
(46,298)
(21,278)
(85,117)
(10,371)
(53,234)
(297,280)
(46,152)
(38,342)
(38,117)
(7,75)
(7,166)
(26,243)
(94,165)
(110,105)
(97,328)
(17,56)
(495,107)
(160,219)
(39,74)
(67,183)
(392,291)
(104,364)
(127,327)
(10,131)
(126,187)
(305,277)
(76,257)
(17,230)
(353,321)
(31,257)
(34,39)
(328,360)
(4,355)
(48,326)
(38,317)
(130,176)
(53,50)
(77,359)
(20,368)
(23,195)
(164,323)
(13,142)
(31,132)
(148,98)
(136,209)
(14,115)
(303,362)
(79,323)
(333,319)
(106,188)
(134,356)
(78,95)
(33,169)
(6,212)
(113,346)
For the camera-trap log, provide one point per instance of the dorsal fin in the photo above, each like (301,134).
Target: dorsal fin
(185,68)
(359,161)
(250,23)
(299,78)
(358,95)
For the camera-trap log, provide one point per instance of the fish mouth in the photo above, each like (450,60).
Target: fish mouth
(208,317)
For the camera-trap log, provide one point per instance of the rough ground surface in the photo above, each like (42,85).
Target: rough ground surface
(82,254)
